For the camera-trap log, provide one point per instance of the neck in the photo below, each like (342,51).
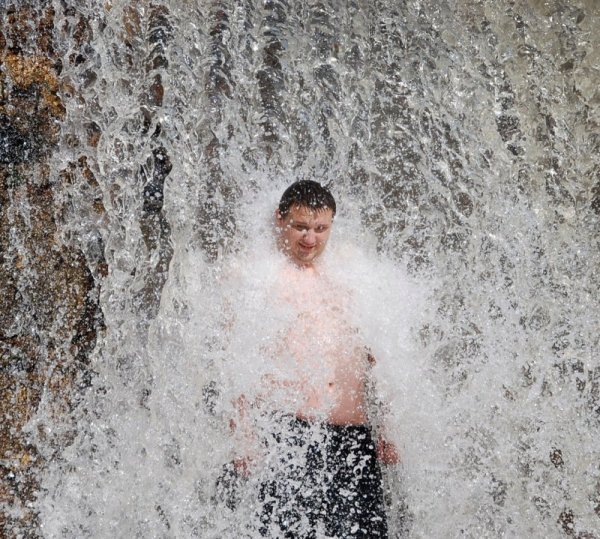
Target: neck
(309,267)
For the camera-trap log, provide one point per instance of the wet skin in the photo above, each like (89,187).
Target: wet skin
(320,364)
(330,367)
(319,359)
(303,233)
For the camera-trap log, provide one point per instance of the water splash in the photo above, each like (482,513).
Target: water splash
(461,142)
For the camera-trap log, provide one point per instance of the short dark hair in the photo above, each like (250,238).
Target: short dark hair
(307,193)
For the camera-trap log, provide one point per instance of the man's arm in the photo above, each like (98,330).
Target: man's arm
(387,452)
(243,436)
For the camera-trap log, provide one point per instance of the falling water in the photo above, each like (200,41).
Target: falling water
(461,139)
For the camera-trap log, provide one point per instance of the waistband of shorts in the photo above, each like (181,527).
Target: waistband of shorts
(360,428)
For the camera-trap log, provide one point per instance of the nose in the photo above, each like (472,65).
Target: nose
(310,238)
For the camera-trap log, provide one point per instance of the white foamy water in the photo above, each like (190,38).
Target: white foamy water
(465,165)
(246,317)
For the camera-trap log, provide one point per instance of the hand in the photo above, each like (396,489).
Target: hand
(242,466)
(387,452)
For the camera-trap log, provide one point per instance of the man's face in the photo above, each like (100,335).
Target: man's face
(304,233)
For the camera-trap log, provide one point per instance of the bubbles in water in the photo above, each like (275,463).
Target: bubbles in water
(466,174)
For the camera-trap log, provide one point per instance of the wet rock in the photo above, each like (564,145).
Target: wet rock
(567,521)
(49,314)
(595,202)
(556,457)
(50,317)
(464,203)
(31,111)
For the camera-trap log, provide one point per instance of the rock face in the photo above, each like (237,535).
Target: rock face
(49,314)
(53,221)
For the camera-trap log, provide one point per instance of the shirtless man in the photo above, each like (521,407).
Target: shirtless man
(334,487)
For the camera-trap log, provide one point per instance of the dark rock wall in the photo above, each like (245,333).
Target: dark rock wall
(49,314)
(54,221)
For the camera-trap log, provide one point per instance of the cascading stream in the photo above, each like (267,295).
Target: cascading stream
(461,142)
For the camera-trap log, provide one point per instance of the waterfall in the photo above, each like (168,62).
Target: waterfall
(145,147)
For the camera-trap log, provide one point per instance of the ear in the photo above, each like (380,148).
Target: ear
(278,216)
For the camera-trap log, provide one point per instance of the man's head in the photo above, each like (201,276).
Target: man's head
(304,217)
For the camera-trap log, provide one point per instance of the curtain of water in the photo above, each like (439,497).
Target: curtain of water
(461,139)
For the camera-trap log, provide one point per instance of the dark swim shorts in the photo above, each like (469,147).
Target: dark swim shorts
(325,481)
